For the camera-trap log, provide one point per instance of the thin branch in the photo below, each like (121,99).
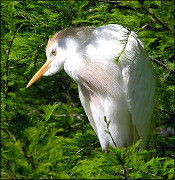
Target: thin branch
(115,2)
(12,134)
(158,20)
(164,123)
(14,67)
(170,114)
(105,22)
(143,27)
(162,65)
(116,173)
(124,171)
(150,174)
(68,94)
(6,73)
(25,102)
(50,5)
(85,147)
(72,11)
(163,146)
(29,160)
(9,168)
(40,90)
(6,93)
(107,123)
(26,56)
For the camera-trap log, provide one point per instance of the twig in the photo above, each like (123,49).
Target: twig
(143,27)
(105,22)
(162,65)
(40,90)
(163,146)
(9,168)
(116,173)
(6,73)
(72,11)
(107,123)
(32,51)
(158,20)
(12,134)
(150,173)
(116,2)
(164,123)
(170,114)
(25,102)
(50,5)
(68,94)
(124,171)
(85,147)
(14,67)
(27,158)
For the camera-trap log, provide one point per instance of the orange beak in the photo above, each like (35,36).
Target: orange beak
(43,69)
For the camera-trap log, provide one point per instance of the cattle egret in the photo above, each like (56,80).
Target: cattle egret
(115,78)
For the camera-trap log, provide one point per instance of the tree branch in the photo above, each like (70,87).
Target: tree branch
(107,131)
(158,20)
(116,2)
(6,73)
(14,67)
(32,51)
(150,173)
(50,5)
(12,134)
(70,7)
(143,27)
(162,65)
(124,171)
(86,147)
(9,168)
(40,90)
(170,114)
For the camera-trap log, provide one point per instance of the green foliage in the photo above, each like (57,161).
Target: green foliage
(45,133)
(124,42)
(125,163)
(36,154)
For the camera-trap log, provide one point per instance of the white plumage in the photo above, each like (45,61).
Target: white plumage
(115,79)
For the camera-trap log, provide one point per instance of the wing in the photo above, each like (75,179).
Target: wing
(136,68)
(139,83)
(134,91)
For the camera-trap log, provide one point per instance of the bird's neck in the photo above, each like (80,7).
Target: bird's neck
(74,60)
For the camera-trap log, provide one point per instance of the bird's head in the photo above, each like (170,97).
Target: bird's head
(55,59)
(59,49)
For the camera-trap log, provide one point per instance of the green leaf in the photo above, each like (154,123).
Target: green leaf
(49,109)
(108,124)
(107,131)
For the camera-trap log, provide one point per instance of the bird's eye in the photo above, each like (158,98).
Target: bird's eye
(54,52)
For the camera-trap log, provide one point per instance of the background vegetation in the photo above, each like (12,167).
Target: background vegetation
(44,131)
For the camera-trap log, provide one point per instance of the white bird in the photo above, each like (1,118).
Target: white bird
(115,79)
